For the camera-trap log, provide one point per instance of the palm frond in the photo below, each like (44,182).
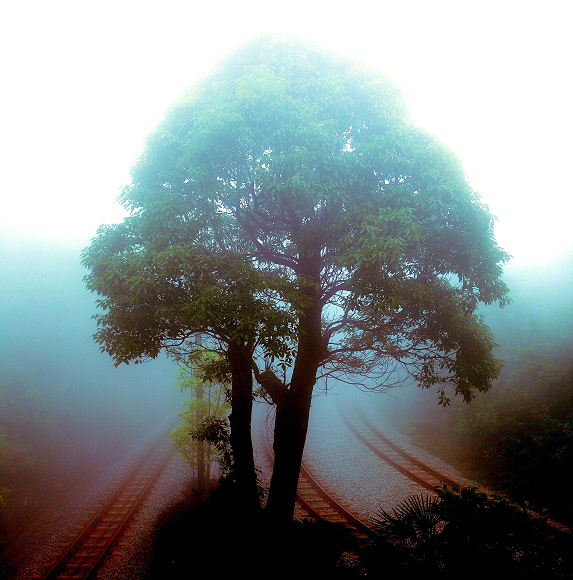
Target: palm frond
(412,523)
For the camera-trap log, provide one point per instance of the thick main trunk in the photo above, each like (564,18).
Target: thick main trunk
(291,426)
(239,356)
(293,410)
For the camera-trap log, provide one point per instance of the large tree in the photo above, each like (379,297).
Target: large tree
(346,236)
(184,296)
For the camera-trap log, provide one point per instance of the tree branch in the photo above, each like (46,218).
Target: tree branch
(275,388)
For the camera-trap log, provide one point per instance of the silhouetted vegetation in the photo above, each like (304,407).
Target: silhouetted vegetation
(225,544)
(461,534)
(518,440)
(468,534)
(522,438)
(45,448)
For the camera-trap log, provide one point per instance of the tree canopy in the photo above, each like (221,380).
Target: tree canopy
(287,202)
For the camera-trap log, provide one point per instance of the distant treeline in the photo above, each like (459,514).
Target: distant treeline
(518,438)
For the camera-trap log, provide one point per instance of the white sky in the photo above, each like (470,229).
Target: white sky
(84,82)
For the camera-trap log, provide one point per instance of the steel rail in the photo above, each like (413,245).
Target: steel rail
(409,465)
(444,478)
(417,463)
(334,512)
(88,549)
(315,499)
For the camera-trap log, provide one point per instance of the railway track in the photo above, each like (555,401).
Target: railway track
(321,503)
(411,467)
(392,454)
(82,554)
(316,500)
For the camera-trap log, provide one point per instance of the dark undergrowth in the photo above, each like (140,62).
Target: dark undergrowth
(468,534)
(210,537)
(517,439)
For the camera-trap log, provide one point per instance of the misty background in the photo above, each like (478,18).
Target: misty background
(65,410)
(46,328)
(63,403)
(84,85)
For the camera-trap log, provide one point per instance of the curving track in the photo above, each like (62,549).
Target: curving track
(314,499)
(320,503)
(83,553)
(388,451)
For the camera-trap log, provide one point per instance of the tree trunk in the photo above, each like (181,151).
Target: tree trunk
(291,426)
(239,356)
(293,411)
(202,478)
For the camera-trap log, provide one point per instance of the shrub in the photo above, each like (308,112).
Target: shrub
(468,533)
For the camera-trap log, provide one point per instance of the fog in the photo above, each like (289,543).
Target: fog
(46,327)
(540,316)
(85,88)
(488,79)
(63,404)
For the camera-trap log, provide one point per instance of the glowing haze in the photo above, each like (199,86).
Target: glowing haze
(85,82)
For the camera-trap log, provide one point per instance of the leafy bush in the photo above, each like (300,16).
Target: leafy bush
(413,524)
(4,492)
(467,533)
(517,439)
(520,439)
(203,437)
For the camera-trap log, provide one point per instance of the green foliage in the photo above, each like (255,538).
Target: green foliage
(517,438)
(522,437)
(203,437)
(44,444)
(215,431)
(412,524)
(4,493)
(466,533)
(291,181)
(27,429)
(202,441)
(200,367)
(20,459)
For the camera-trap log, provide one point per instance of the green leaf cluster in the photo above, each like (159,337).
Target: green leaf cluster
(522,435)
(413,523)
(4,493)
(289,181)
(203,437)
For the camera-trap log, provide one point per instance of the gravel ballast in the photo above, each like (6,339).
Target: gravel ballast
(51,530)
(356,475)
(340,462)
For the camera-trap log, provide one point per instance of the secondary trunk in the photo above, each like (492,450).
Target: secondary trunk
(202,478)
(239,356)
